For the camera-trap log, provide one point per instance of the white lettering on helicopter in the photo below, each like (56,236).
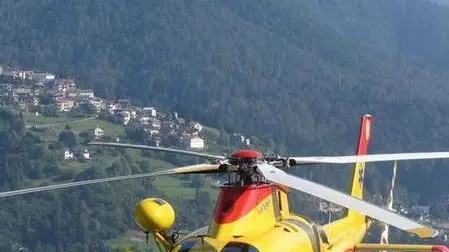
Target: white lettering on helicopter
(367,130)
(263,207)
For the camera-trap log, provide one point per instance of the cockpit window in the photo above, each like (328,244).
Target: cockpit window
(239,247)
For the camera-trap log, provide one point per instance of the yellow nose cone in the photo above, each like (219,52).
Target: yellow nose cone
(154,215)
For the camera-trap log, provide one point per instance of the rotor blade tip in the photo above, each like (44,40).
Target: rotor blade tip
(424,232)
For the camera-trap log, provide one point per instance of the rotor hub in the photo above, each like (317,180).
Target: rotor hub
(246,156)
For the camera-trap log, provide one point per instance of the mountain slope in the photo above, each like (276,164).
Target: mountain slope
(231,54)
(298,74)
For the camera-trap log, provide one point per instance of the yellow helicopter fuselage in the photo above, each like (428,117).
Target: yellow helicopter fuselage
(252,215)
(257,218)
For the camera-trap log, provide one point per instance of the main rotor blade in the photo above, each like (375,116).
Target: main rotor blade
(200,168)
(154,148)
(369,158)
(278,176)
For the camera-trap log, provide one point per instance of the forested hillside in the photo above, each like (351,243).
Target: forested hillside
(82,219)
(297,74)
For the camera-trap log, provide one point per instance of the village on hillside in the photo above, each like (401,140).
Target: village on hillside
(44,94)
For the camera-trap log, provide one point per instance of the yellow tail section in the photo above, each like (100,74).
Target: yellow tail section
(356,185)
(345,233)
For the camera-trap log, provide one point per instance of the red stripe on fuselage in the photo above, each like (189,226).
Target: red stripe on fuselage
(235,202)
(364,135)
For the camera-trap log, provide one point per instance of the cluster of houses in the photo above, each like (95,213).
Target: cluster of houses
(21,87)
(25,89)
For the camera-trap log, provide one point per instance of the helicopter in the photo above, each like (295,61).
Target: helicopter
(252,212)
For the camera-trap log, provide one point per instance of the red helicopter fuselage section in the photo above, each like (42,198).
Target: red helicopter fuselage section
(245,157)
(247,154)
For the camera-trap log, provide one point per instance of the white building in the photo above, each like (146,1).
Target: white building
(144,120)
(85,93)
(240,139)
(156,124)
(126,117)
(43,77)
(98,132)
(68,154)
(86,154)
(150,111)
(112,107)
(153,132)
(195,143)
(24,74)
(133,114)
(97,103)
(197,126)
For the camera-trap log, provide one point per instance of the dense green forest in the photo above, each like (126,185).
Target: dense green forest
(296,74)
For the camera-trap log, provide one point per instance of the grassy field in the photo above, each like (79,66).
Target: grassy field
(109,128)
(77,124)
(33,119)
(52,126)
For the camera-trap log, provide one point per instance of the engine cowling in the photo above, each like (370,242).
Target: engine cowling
(154,215)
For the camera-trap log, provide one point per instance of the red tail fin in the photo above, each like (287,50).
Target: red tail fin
(364,135)
(356,188)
